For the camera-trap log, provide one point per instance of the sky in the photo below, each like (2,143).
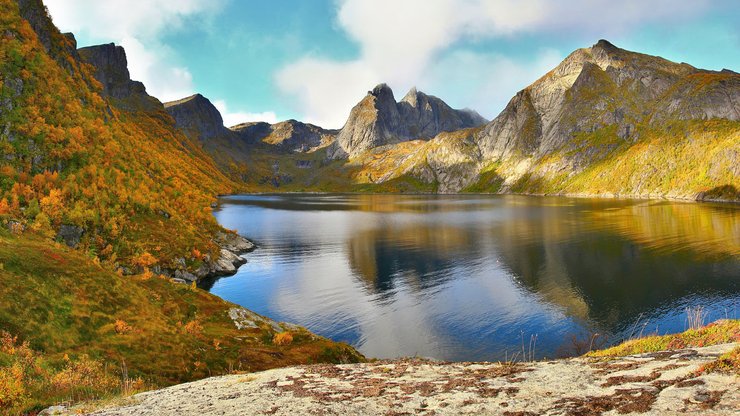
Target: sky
(313,60)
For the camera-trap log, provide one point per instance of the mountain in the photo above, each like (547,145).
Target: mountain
(379,120)
(111,70)
(611,121)
(605,121)
(200,120)
(197,117)
(289,135)
(604,86)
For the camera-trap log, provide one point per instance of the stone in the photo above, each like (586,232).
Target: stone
(233,242)
(185,276)
(70,235)
(54,410)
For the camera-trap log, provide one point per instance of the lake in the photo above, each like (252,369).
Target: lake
(481,278)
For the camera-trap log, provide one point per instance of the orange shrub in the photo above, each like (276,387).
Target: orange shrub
(193,327)
(121,326)
(144,259)
(83,374)
(282,338)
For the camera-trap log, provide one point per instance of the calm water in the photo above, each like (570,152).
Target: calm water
(472,277)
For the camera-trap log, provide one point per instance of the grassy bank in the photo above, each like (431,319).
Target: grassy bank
(720,332)
(72,329)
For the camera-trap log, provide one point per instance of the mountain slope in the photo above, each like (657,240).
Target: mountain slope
(89,159)
(87,151)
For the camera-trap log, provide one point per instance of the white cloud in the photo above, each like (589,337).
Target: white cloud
(326,90)
(484,82)
(234,118)
(401,41)
(138,26)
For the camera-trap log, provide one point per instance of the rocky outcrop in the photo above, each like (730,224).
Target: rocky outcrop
(197,116)
(71,235)
(665,382)
(290,135)
(379,120)
(111,70)
(231,245)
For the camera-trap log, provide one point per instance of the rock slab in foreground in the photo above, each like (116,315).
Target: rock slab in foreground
(662,383)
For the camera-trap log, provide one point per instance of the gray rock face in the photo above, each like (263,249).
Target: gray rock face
(379,120)
(426,116)
(70,235)
(605,86)
(197,115)
(246,319)
(290,135)
(111,70)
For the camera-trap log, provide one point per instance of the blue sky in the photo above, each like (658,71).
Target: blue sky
(314,59)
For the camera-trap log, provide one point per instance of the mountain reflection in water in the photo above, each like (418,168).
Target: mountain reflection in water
(469,277)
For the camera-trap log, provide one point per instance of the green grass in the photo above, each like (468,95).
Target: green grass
(62,303)
(719,332)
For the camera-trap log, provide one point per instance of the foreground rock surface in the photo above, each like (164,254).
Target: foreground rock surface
(663,383)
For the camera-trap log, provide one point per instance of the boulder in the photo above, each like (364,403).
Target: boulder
(185,276)
(70,235)
(233,242)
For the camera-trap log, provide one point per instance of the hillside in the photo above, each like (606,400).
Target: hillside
(71,329)
(105,210)
(91,159)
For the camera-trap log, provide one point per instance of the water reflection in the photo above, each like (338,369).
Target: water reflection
(466,277)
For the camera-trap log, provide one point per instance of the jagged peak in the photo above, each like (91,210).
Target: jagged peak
(381,89)
(412,97)
(604,44)
(194,97)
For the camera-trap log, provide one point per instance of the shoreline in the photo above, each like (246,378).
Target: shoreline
(601,196)
(662,382)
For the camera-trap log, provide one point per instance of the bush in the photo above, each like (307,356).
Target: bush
(282,338)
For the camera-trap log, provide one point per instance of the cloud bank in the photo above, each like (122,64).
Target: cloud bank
(237,117)
(406,43)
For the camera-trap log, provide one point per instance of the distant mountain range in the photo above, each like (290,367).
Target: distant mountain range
(605,121)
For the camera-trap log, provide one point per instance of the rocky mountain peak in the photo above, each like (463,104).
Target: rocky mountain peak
(196,113)
(379,120)
(111,70)
(605,86)
(605,45)
(381,90)
(111,66)
(411,97)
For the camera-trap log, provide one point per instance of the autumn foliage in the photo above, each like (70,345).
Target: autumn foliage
(73,156)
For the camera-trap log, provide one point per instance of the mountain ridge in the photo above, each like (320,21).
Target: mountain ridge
(379,120)
(596,109)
